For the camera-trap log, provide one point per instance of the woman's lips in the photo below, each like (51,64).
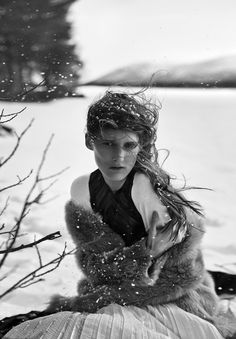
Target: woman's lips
(116,167)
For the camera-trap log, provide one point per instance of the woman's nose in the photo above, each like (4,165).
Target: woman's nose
(119,153)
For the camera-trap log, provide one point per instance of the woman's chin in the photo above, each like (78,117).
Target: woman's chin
(115,177)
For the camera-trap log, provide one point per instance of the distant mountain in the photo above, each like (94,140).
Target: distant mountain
(219,72)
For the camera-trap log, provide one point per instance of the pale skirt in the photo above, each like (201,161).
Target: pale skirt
(118,322)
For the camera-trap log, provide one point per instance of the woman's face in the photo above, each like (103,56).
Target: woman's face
(115,155)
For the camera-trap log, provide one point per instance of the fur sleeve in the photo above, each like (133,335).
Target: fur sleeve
(173,283)
(100,251)
(174,277)
(89,231)
(181,270)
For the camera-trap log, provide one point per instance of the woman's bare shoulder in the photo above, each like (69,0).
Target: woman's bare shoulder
(79,190)
(80,181)
(141,181)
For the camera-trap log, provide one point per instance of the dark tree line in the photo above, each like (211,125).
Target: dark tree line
(35,46)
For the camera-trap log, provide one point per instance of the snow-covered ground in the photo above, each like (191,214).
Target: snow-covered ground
(197,126)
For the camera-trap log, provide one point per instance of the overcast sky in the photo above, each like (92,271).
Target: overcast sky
(114,33)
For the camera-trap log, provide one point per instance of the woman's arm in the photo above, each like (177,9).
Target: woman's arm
(89,231)
(173,283)
(183,270)
(116,266)
(101,252)
(135,261)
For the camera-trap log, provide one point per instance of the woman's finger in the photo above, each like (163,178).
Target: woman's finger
(152,229)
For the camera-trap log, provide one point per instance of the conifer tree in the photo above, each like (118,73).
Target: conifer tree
(35,45)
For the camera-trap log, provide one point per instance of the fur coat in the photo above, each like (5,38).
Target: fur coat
(130,276)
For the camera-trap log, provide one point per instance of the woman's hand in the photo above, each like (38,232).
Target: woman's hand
(160,240)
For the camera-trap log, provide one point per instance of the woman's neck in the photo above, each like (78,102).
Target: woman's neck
(114,185)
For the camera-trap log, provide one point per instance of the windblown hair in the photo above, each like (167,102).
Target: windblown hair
(134,112)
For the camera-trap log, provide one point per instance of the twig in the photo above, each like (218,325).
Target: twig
(11,115)
(17,143)
(43,157)
(55,174)
(51,236)
(29,279)
(3,210)
(18,96)
(37,199)
(30,90)
(19,182)
(39,255)
(28,201)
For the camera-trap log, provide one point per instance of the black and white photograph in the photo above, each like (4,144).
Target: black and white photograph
(117,169)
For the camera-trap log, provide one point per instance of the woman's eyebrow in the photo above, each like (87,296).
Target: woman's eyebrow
(107,140)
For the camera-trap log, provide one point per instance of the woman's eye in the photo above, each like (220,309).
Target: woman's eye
(107,143)
(130,145)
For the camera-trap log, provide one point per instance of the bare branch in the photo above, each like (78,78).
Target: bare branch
(10,116)
(43,157)
(31,283)
(17,143)
(32,197)
(28,201)
(6,232)
(39,272)
(37,199)
(51,236)
(13,234)
(19,182)
(55,174)
(39,255)
(30,90)
(1,115)
(4,209)
(49,200)
(21,95)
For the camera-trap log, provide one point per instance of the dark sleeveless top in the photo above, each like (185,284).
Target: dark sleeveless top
(117,208)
